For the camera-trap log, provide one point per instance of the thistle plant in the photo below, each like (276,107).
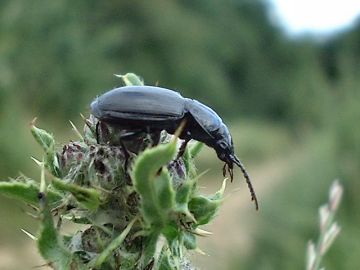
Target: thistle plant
(137,205)
(329,229)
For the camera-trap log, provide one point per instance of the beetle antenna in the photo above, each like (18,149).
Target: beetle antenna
(247,178)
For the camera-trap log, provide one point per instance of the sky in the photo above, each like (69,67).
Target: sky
(315,16)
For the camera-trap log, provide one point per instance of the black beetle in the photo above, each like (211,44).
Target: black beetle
(152,109)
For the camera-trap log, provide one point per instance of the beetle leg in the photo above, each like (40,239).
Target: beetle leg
(153,137)
(224,169)
(229,168)
(182,149)
(148,137)
(126,155)
(231,172)
(102,132)
(97,131)
(128,135)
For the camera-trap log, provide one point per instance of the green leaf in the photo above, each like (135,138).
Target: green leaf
(164,190)
(165,262)
(191,152)
(117,242)
(27,192)
(183,194)
(189,240)
(204,208)
(171,232)
(49,242)
(131,79)
(87,197)
(195,149)
(149,244)
(219,195)
(146,177)
(45,139)
(47,143)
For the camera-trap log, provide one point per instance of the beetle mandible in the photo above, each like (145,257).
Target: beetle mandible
(153,109)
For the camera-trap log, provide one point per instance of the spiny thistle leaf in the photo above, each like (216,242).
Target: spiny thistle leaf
(204,208)
(47,143)
(49,242)
(131,79)
(150,243)
(188,162)
(27,192)
(171,232)
(219,195)
(190,153)
(145,177)
(99,189)
(87,197)
(189,240)
(165,262)
(183,196)
(45,139)
(196,148)
(165,191)
(117,242)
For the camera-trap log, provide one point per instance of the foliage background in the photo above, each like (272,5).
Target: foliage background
(293,107)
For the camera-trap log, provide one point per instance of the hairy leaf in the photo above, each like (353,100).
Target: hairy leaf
(131,79)
(87,197)
(49,242)
(117,242)
(146,174)
(189,240)
(205,208)
(196,148)
(27,192)
(47,143)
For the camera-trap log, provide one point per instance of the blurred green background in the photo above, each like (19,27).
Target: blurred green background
(292,105)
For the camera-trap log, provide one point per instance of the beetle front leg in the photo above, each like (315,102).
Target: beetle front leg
(224,169)
(231,173)
(228,168)
(182,149)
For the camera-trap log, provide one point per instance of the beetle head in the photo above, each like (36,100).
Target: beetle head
(225,152)
(224,146)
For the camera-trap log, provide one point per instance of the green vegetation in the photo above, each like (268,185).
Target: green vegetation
(138,217)
(293,101)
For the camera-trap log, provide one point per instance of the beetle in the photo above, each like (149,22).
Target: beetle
(153,109)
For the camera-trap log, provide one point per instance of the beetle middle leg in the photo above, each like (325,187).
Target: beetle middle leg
(102,132)
(125,136)
(126,155)
(152,136)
